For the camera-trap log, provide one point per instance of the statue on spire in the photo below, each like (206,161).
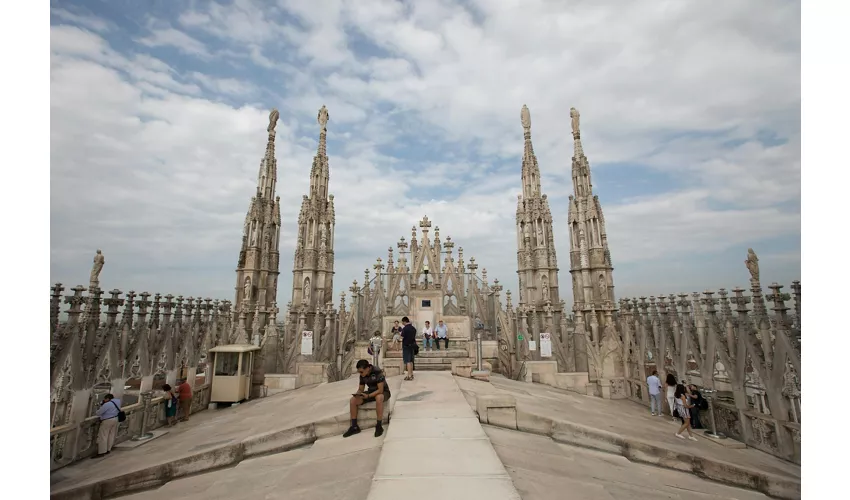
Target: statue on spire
(574,116)
(323,117)
(525,116)
(273,117)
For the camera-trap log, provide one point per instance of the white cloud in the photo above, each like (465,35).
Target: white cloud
(90,22)
(152,171)
(170,37)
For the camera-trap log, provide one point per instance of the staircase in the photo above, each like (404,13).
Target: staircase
(432,360)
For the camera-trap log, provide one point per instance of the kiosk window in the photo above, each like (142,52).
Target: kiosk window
(226,364)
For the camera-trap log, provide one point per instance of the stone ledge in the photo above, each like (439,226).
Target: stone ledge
(635,450)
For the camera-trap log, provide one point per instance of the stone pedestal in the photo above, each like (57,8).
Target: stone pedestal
(311,373)
(576,381)
(280,381)
(542,372)
(496,409)
(392,367)
(462,367)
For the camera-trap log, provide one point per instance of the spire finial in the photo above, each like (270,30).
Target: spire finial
(525,116)
(273,117)
(323,117)
(574,118)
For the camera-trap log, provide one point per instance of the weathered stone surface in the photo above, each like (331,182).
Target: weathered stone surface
(625,428)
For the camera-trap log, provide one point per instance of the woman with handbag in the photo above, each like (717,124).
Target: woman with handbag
(682,406)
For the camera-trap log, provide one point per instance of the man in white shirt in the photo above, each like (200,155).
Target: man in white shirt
(442,332)
(428,336)
(654,385)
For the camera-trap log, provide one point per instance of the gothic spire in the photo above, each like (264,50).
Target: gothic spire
(267,180)
(320,172)
(582,184)
(530,169)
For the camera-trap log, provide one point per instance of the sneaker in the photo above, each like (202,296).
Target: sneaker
(351,431)
(677,435)
(379,430)
(653,414)
(692,438)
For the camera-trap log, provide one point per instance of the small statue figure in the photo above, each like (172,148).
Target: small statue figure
(752,264)
(323,117)
(540,241)
(97,267)
(307,290)
(574,118)
(545,289)
(273,117)
(525,116)
(247,289)
(603,287)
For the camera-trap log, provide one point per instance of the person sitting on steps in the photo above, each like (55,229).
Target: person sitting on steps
(372,379)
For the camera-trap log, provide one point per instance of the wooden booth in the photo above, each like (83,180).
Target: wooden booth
(231,374)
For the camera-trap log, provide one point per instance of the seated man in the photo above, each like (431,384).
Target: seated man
(377,390)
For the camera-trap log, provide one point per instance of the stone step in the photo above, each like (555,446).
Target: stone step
(432,367)
(442,353)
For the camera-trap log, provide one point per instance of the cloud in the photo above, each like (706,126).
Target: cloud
(170,37)
(93,23)
(157,165)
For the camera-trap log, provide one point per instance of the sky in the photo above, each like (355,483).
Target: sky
(690,119)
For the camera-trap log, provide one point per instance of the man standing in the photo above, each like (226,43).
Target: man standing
(376,389)
(408,346)
(654,385)
(428,336)
(442,333)
(108,413)
(184,392)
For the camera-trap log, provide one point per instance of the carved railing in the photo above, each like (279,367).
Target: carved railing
(62,438)
(732,344)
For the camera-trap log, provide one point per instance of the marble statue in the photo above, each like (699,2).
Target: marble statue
(307,290)
(273,117)
(540,236)
(574,120)
(97,267)
(545,289)
(525,116)
(603,287)
(323,117)
(247,289)
(752,264)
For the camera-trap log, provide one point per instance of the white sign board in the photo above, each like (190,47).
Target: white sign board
(532,345)
(545,345)
(306,343)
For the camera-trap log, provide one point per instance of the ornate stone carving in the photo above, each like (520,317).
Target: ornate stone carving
(525,117)
(574,121)
(323,117)
(273,118)
(752,264)
(97,267)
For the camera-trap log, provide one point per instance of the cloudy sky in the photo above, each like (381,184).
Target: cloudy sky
(690,120)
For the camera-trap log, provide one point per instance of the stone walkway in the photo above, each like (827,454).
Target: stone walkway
(621,417)
(213,438)
(436,448)
(545,470)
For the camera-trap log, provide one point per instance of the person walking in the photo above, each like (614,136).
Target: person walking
(184,393)
(682,406)
(408,346)
(108,412)
(428,337)
(671,391)
(653,384)
(171,400)
(442,332)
